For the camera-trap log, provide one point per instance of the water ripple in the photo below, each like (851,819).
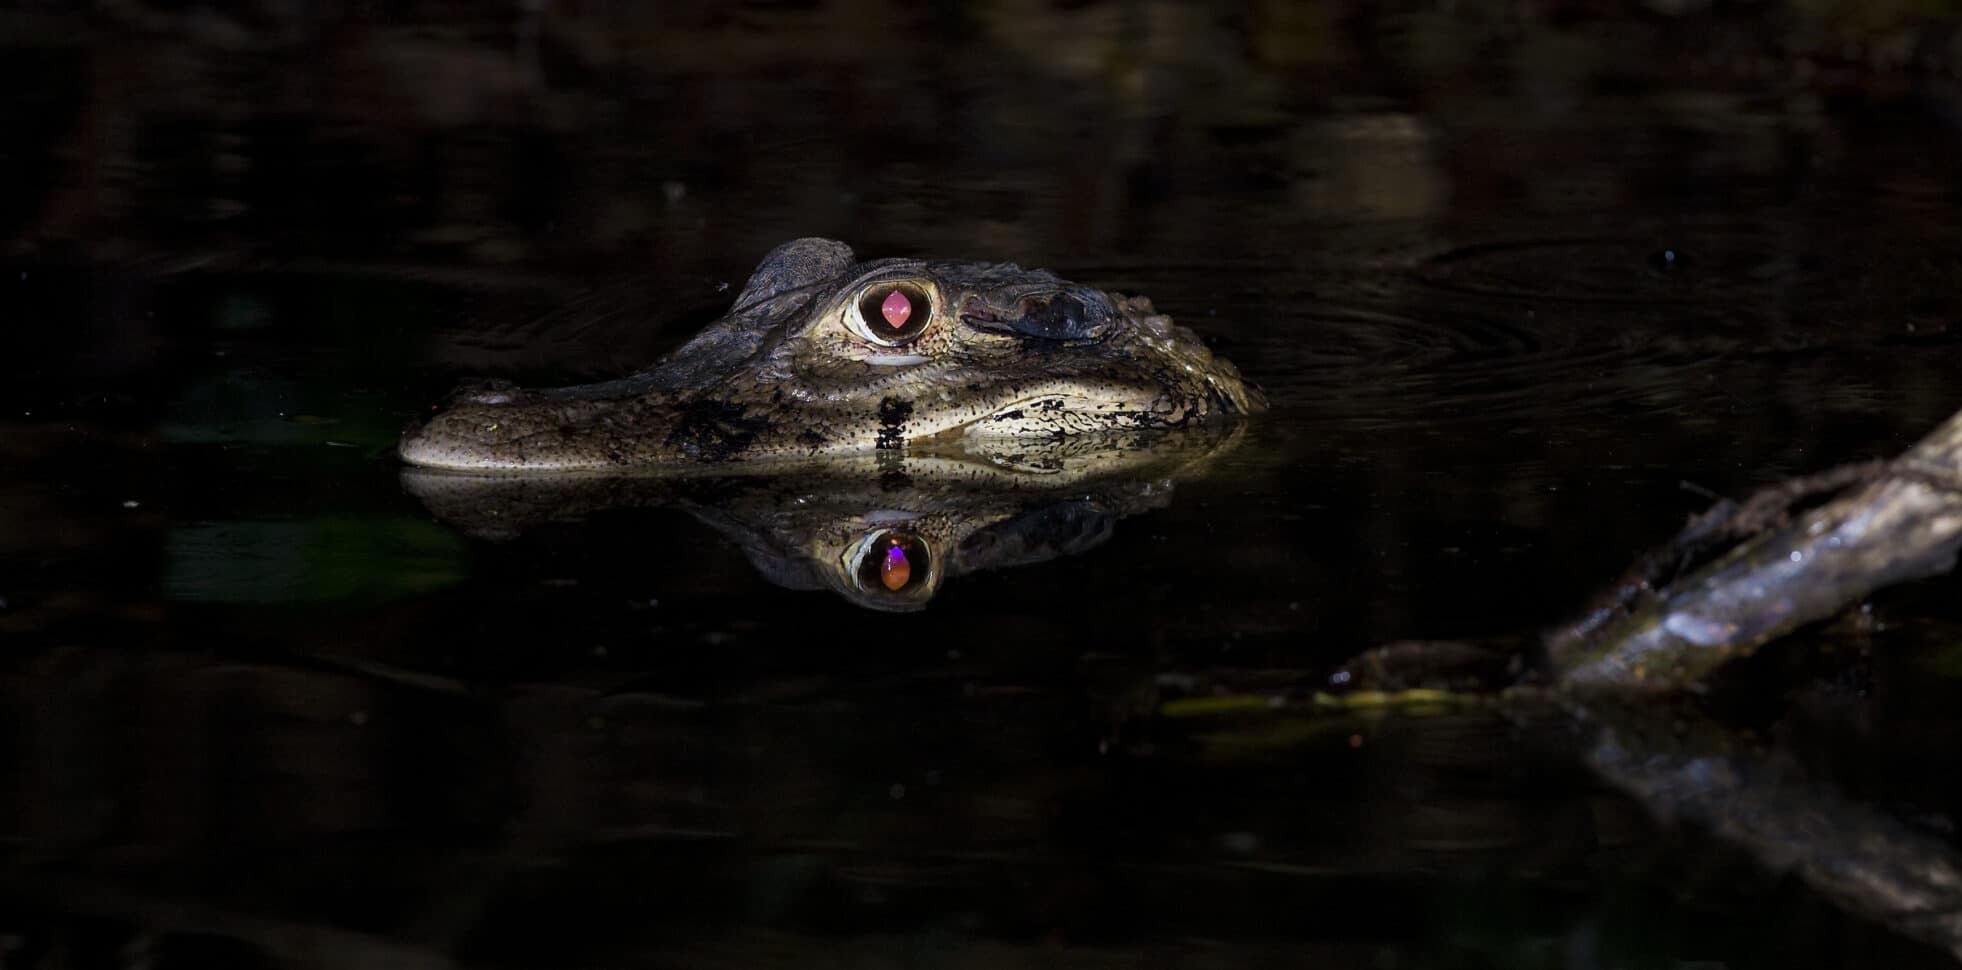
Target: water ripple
(1376,364)
(1610,271)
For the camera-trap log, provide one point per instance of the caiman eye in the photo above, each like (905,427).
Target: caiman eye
(894,561)
(893,313)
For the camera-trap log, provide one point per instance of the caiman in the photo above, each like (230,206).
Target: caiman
(824,355)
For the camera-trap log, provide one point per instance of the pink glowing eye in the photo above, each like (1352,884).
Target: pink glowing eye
(895,572)
(895,561)
(894,313)
(896,309)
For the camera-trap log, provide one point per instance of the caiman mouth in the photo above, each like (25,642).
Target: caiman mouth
(1058,412)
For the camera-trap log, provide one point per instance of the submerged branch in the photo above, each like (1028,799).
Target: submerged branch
(1905,524)
(1798,553)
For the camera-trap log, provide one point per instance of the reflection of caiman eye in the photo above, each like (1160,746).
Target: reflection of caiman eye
(893,313)
(894,561)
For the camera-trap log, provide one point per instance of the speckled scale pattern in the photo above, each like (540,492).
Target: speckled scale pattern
(791,371)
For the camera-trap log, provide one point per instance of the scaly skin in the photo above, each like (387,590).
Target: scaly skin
(794,370)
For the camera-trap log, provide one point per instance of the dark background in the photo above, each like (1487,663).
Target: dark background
(1514,275)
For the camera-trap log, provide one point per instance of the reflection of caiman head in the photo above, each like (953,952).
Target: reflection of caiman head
(884,531)
(822,355)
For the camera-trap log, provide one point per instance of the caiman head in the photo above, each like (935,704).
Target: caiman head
(822,355)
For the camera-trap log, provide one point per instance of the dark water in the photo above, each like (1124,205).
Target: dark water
(1525,287)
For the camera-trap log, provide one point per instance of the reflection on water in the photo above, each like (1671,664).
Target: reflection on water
(1682,766)
(883,530)
(1523,283)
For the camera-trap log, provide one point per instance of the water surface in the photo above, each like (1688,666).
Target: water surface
(1524,295)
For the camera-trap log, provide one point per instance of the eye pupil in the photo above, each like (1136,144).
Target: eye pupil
(894,571)
(894,313)
(896,309)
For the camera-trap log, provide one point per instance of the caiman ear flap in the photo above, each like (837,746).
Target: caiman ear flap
(793,268)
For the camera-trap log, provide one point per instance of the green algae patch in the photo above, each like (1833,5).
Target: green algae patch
(337,560)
